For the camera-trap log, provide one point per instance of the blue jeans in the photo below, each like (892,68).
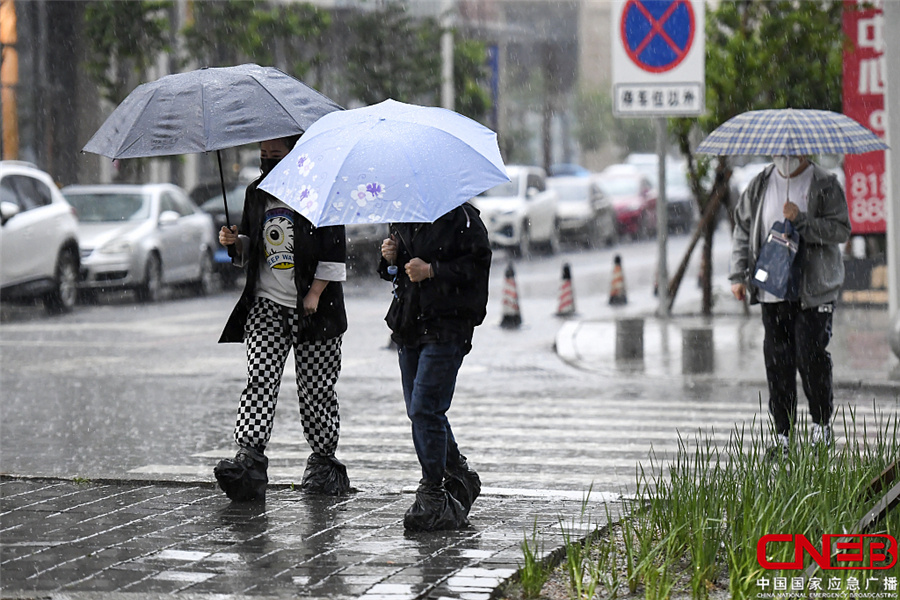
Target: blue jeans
(429,379)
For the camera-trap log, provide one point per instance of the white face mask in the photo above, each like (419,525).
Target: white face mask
(786,164)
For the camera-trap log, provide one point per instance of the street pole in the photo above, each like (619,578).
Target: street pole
(448,100)
(662,221)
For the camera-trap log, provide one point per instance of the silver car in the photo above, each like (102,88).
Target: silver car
(520,213)
(141,237)
(584,213)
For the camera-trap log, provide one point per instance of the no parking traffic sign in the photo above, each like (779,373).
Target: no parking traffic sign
(658,57)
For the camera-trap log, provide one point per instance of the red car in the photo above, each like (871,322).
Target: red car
(633,199)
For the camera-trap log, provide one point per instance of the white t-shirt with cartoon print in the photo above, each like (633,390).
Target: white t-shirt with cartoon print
(276,273)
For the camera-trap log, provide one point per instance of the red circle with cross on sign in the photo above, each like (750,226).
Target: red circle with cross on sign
(657,34)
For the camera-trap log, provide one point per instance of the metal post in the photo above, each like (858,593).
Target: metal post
(662,221)
(448,99)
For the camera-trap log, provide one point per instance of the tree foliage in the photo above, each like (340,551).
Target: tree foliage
(470,77)
(394,56)
(232,31)
(597,126)
(780,54)
(390,55)
(126,38)
(760,55)
(397,56)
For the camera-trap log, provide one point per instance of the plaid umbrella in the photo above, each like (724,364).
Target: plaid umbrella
(790,132)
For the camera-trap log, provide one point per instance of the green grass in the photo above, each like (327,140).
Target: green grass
(692,528)
(534,572)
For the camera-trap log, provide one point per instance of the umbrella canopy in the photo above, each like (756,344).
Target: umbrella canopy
(389,162)
(208,109)
(790,132)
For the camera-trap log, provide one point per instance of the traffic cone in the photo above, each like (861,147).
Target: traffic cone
(512,318)
(566,297)
(617,287)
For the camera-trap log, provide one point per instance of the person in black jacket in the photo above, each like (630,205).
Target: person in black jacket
(293,298)
(440,274)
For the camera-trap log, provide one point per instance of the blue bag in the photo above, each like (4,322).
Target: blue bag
(777,270)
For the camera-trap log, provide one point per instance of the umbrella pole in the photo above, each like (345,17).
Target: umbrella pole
(231,250)
(222,181)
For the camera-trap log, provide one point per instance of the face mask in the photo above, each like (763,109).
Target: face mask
(786,164)
(267,164)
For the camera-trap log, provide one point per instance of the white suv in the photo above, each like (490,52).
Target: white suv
(39,255)
(522,212)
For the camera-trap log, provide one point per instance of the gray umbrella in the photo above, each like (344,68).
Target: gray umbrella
(209,109)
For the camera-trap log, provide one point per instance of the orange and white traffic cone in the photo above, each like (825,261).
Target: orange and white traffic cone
(512,318)
(617,293)
(566,296)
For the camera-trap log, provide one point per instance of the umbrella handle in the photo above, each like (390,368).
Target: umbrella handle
(230,249)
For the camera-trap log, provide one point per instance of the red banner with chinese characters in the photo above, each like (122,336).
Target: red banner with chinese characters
(864,83)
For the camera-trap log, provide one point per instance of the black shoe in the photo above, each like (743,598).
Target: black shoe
(463,483)
(779,451)
(243,478)
(820,436)
(325,475)
(434,509)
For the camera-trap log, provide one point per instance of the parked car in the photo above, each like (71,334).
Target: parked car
(141,237)
(682,206)
(38,239)
(522,212)
(567,170)
(215,207)
(584,213)
(680,203)
(633,199)
(364,245)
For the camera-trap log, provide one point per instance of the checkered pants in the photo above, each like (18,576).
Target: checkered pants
(270,333)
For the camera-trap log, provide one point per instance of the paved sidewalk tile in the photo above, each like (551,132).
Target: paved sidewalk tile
(60,539)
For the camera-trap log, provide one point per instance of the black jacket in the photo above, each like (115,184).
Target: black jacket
(311,245)
(447,307)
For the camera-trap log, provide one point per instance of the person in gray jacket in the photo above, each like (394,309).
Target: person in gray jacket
(798,327)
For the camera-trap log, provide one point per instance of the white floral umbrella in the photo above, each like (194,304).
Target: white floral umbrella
(387,163)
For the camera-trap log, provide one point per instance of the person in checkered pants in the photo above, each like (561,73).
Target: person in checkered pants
(293,299)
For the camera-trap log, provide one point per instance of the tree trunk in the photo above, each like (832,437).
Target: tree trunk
(707,222)
(706,264)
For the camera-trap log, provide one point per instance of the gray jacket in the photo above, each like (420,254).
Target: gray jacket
(823,227)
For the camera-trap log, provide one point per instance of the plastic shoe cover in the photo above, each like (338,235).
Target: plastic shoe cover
(463,483)
(325,475)
(243,478)
(434,509)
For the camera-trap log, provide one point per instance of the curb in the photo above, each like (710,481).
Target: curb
(566,349)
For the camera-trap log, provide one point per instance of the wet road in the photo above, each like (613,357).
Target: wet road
(144,392)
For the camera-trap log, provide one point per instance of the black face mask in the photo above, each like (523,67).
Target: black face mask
(267,164)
